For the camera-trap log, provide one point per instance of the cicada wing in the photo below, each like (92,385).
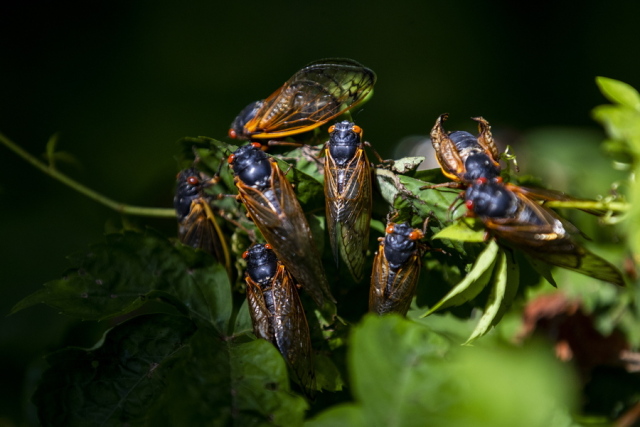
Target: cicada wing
(392,290)
(279,217)
(485,139)
(200,229)
(292,330)
(544,194)
(349,211)
(260,315)
(446,152)
(543,235)
(313,96)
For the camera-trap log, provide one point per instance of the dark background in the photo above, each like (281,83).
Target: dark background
(122,82)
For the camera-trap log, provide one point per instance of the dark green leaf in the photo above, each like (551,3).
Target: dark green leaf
(229,382)
(118,276)
(118,382)
(473,283)
(309,191)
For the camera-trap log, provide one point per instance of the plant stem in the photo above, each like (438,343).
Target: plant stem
(117,206)
(588,204)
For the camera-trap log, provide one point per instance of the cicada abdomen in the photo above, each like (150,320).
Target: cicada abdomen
(347,189)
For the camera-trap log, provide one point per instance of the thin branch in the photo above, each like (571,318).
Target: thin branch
(586,204)
(117,206)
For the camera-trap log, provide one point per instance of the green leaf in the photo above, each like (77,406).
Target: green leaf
(348,415)
(406,164)
(465,231)
(473,283)
(120,275)
(619,92)
(396,368)
(496,298)
(229,382)
(118,382)
(309,191)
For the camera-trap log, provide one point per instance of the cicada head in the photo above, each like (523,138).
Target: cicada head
(190,184)
(237,130)
(262,263)
(400,242)
(251,165)
(344,140)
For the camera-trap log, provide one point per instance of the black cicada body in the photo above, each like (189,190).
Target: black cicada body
(396,269)
(347,189)
(512,214)
(274,208)
(277,313)
(197,226)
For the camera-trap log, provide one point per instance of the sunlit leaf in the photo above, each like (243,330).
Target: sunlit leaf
(463,231)
(619,92)
(496,298)
(473,283)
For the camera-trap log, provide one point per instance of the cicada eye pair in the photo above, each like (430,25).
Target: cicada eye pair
(245,254)
(355,129)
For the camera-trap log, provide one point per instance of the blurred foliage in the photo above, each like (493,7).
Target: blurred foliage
(181,350)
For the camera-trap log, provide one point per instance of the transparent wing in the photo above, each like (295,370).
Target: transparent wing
(391,290)
(292,330)
(349,211)
(313,96)
(279,217)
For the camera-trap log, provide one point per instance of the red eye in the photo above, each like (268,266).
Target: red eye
(332,128)
(193,180)
(469,204)
(268,246)
(481,181)
(232,134)
(357,129)
(231,158)
(389,229)
(499,180)
(416,235)
(256,145)
(245,254)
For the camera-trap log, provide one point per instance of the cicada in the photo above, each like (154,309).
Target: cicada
(396,269)
(274,208)
(464,157)
(347,189)
(513,214)
(197,225)
(314,95)
(277,313)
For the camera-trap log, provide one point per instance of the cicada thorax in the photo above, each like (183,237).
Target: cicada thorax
(396,269)
(347,188)
(197,224)
(314,95)
(272,205)
(277,312)
(464,157)
(512,215)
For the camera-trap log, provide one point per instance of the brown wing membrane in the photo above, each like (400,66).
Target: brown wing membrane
(313,96)
(392,291)
(543,235)
(446,153)
(260,314)
(349,210)
(485,139)
(279,217)
(291,329)
(200,230)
